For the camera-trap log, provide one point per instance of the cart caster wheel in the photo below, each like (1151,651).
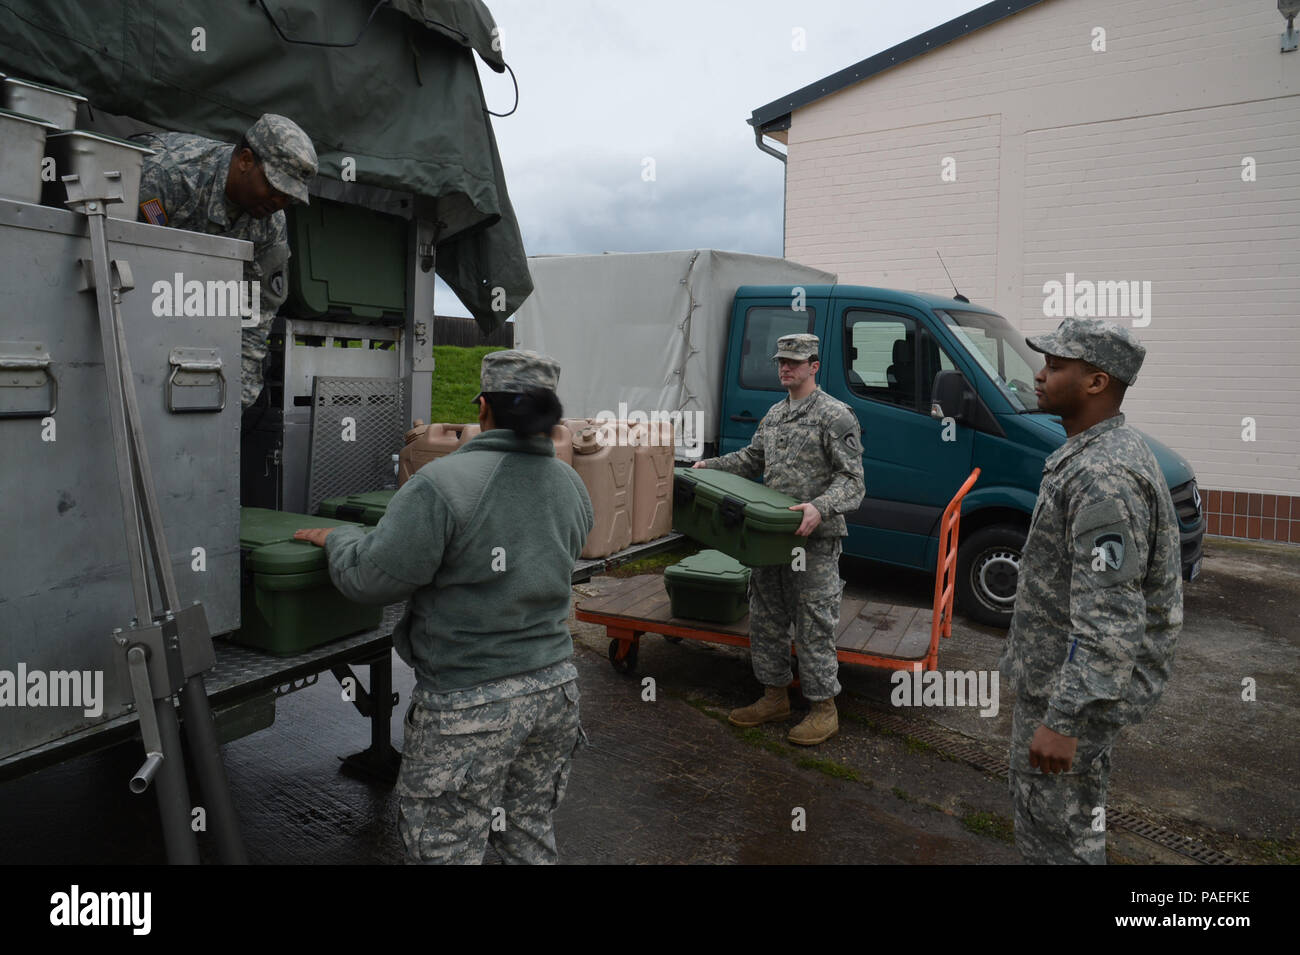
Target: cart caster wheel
(673,639)
(628,663)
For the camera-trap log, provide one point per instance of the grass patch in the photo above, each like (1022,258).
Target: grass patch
(990,824)
(705,707)
(829,768)
(755,737)
(655,563)
(1276,851)
(456,382)
(915,745)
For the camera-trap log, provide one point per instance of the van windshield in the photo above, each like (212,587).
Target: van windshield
(1000,350)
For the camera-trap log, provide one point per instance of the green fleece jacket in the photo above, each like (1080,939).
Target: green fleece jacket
(483,542)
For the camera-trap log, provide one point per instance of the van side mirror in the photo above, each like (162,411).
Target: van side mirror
(951,397)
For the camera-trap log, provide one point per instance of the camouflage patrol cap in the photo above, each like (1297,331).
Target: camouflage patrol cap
(515,370)
(797,347)
(1110,347)
(287,155)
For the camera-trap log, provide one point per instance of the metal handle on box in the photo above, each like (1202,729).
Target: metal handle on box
(195,361)
(12,362)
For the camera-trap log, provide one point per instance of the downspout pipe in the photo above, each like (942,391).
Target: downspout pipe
(758,141)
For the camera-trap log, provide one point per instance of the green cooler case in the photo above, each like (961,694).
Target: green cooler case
(739,517)
(288,602)
(365,508)
(708,586)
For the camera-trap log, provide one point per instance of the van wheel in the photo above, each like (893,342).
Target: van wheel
(988,566)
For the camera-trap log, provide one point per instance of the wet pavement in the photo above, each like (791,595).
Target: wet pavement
(666,780)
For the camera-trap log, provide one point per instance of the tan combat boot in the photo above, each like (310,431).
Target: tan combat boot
(775,705)
(818,726)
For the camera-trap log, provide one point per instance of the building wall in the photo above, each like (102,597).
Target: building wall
(1122,165)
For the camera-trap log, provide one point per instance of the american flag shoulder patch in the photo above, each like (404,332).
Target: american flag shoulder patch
(153,211)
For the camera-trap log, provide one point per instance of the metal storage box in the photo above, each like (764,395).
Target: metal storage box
(22,147)
(60,601)
(289,602)
(365,508)
(44,102)
(708,586)
(90,156)
(750,522)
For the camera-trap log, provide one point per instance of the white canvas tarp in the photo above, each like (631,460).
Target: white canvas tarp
(646,330)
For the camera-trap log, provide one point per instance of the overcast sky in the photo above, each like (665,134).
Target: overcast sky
(605,85)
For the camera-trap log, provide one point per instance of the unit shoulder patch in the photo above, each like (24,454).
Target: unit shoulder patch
(845,427)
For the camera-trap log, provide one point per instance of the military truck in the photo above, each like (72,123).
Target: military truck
(127,460)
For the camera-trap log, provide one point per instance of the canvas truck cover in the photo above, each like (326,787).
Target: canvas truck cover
(403,101)
(623,328)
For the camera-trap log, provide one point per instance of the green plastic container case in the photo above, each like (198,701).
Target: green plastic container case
(365,508)
(288,602)
(741,518)
(708,586)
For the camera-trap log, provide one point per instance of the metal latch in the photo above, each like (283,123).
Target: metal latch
(25,367)
(683,491)
(732,510)
(195,369)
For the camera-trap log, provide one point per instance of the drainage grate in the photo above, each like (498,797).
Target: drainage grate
(975,756)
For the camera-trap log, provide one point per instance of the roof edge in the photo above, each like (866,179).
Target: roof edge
(777,112)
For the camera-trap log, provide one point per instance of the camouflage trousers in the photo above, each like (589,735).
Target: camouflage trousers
(491,772)
(810,600)
(1060,819)
(252,359)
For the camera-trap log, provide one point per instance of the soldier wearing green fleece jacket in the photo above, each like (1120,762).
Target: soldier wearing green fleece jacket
(483,543)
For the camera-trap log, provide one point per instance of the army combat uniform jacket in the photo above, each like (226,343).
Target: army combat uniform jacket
(187,178)
(808,449)
(184,186)
(1100,600)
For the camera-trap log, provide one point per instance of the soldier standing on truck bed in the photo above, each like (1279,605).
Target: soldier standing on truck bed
(807,446)
(1100,599)
(239,192)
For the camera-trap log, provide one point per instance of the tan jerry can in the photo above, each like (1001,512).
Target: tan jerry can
(652,480)
(606,471)
(562,438)
(425,442)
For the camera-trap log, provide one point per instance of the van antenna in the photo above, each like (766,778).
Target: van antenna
(959,297)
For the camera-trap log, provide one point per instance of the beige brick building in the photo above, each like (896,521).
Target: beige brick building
(1145,150)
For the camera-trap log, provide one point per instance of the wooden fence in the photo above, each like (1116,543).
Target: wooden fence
(465,333)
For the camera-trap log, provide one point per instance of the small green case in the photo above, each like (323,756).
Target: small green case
(708,586)
(365,508)
(288,603)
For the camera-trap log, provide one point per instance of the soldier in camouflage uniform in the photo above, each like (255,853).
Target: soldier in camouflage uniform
(1100,598)
(239,192)
(483,542)
(807,446)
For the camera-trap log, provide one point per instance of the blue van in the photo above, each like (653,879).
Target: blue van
(941,386)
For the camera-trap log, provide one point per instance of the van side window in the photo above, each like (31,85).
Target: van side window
(882,354)
(764,324)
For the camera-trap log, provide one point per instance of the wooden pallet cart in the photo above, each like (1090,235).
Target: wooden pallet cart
(869,633)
